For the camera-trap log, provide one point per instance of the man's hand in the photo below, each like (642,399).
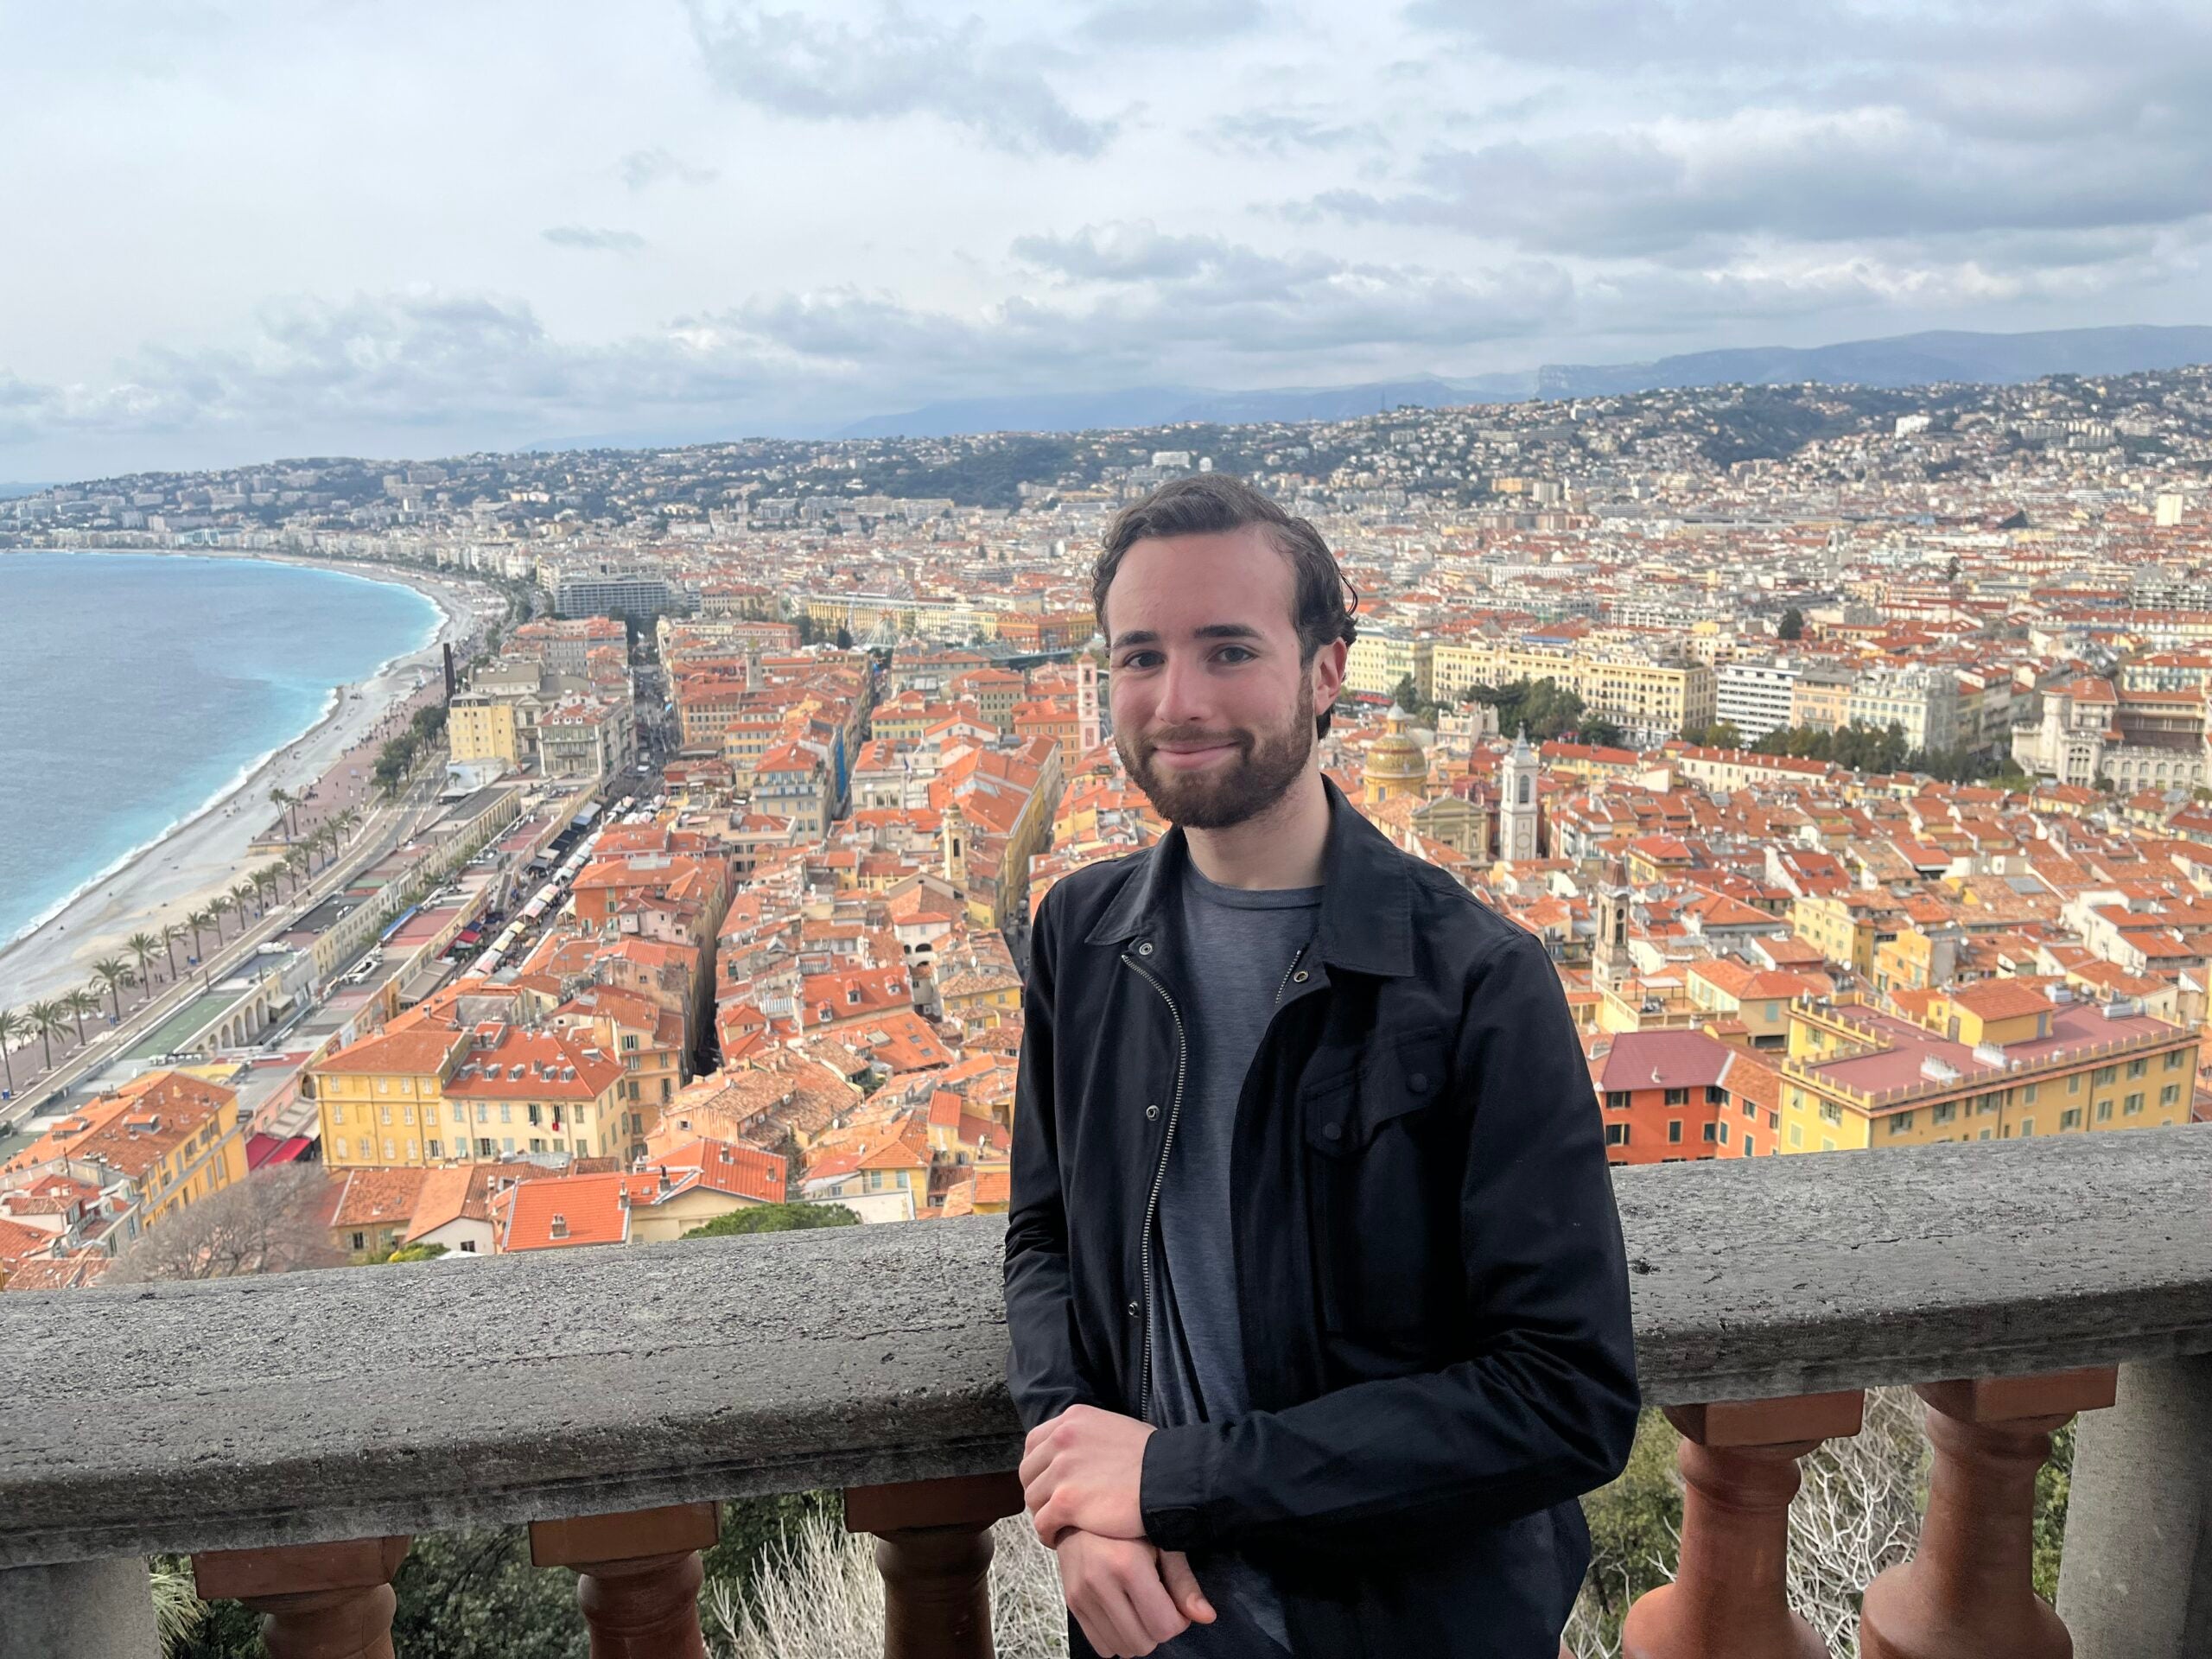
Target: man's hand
(1084,1468)
(1128,1596)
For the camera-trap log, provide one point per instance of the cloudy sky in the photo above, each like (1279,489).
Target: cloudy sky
(239,229)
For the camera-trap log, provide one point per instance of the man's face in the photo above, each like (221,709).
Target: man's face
(1213,713)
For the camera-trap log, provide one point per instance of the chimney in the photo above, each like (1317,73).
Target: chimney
(560,1227)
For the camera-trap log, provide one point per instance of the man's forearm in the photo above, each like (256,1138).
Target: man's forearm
(1372,1467)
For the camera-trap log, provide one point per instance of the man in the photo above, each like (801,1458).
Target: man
(1316,1291)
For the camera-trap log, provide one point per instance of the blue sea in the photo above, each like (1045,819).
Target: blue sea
(135,689)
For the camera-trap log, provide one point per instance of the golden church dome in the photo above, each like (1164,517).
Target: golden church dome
(1395,764)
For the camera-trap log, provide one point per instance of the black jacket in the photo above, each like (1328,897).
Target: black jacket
(1429,1266)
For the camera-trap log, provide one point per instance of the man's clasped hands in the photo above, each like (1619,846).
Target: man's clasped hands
(1081,1474)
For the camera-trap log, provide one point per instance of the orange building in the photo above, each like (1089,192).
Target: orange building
(1672,1096)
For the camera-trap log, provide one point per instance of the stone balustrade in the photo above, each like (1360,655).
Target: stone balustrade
(291,1433)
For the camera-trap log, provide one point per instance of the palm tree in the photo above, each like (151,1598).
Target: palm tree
(219,906)
(241,896)
(144,947)
(13,1029)
(49,1021)
(111,974)
(170,934)
(286,802)
(266,884)
(78,1003)
(297,861)
(199,921)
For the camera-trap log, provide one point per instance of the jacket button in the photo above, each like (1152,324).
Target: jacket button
(1152,1111)
(1334,1131)
(1144,948)
(1418,1082)
(1135,1310)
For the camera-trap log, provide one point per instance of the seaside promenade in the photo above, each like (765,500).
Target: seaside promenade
(41,1087)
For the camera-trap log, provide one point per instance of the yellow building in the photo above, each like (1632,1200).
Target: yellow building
(1726,990)
(481,728)
(1847,928)
(1379,661)
(980,993)
(1821,699)
(858,613)
(1455,664)
(1994,1060)
(1917,959)
(1639,695)
(902,721)
(744,740)
(430,1094)
(173,1137)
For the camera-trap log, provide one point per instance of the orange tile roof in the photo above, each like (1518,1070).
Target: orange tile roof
(375,1198)
(565,1212)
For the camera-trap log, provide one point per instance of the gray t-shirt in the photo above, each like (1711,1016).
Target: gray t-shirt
(1232,951)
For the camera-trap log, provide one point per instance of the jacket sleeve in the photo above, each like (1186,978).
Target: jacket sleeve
(1546,1406)
(1045,1368)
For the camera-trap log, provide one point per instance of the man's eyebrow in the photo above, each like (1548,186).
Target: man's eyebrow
(1210,631)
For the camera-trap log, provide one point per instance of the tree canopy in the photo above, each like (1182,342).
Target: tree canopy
(776,1218)
(1549,710)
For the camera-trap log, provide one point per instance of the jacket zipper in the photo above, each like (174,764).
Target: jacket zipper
(1152,1202)
(1159,1172)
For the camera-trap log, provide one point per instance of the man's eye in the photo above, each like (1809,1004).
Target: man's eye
(1241,653)
(1138,659)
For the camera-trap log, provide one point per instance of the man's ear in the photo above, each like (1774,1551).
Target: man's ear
(1329,675)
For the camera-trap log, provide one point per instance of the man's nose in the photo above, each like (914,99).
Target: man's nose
(1182,694)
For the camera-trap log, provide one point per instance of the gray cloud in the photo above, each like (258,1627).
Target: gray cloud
(2015,69)
(901,65)
(1212,307)
(1279,132)
(1805,176)
(1828,122)
(426,363)
(1130,253)
(643,168)
(602,241)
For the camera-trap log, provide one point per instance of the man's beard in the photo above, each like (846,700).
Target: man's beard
(1231,791)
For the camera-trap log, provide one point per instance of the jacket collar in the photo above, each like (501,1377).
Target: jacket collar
(1366,895)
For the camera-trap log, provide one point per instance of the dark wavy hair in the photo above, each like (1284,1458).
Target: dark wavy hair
(1207,504)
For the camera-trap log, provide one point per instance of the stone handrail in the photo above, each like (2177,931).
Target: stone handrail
(361,1403)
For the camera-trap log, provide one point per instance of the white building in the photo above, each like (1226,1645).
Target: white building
(1754,698)
(1924,701)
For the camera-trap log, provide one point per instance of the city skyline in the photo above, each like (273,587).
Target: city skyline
(320,231)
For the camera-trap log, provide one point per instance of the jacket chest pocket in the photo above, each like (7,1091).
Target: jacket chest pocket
(1377,1177)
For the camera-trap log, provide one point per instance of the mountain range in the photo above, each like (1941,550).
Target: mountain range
(1901,360)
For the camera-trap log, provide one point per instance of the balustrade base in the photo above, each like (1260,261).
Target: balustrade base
(85,1609)
(2135,1581)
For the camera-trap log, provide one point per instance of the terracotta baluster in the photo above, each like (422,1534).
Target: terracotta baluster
(638,1576)
(1738,1461)
(933,1548)
(317,1601)
(1968,1592)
